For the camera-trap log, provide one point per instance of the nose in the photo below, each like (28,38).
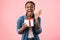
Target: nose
(29,8)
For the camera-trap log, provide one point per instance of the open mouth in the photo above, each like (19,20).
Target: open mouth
(29,10)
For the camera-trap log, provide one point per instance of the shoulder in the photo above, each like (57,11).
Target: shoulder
(20,18)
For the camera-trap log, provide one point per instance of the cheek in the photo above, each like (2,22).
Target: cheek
(33,9)
(26,10)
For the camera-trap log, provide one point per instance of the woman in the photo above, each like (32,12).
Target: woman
(29,33)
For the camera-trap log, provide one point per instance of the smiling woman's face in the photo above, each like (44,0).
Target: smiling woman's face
(29,9)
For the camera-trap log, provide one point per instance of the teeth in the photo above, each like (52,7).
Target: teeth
(29,11)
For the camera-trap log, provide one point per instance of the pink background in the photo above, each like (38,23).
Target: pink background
(11,10)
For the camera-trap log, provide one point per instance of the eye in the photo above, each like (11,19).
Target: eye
(27,7)
(31,6)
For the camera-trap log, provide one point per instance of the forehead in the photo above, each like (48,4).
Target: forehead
(29,4)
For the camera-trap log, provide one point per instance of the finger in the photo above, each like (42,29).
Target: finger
(40,12)
(24,24)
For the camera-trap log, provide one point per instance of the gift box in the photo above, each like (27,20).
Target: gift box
(29,22)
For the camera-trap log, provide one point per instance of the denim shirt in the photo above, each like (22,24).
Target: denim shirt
(20,21)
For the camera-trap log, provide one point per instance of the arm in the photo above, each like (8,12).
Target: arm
(38,22)
(20,26)
(38,26)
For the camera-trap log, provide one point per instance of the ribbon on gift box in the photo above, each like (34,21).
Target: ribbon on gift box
(29,22)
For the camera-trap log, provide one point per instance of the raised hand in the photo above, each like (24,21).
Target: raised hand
(38,14)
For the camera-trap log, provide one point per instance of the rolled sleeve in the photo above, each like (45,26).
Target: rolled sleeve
(19,24)
(38,31)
